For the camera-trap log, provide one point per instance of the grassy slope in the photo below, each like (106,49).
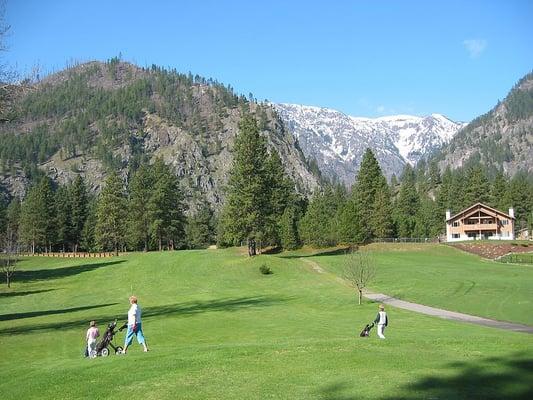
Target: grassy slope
(219,329)
(441,276)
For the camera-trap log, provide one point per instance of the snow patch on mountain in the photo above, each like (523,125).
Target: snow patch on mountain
(337,141)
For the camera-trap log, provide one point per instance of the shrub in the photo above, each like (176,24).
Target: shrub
(265,269)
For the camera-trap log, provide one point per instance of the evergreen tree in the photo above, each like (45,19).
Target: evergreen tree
(407,204)
(434,174)
(318,227)
(370,181)
(33,219)
(200,228)
(139,216)
(111,214)
(245,215)
(499,197)
(63,218)
(282,193)
(290,237)
(166,208)
(88,237)
(78,210)
(382,225)
(476,186)
(521,198)
(12,221)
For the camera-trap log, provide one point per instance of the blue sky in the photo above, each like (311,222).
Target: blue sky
(365,58)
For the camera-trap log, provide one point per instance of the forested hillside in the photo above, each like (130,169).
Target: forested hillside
(97,117)
(501,140)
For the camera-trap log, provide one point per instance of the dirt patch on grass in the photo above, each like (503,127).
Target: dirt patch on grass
(494,250)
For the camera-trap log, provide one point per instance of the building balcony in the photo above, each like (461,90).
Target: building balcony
(480,227)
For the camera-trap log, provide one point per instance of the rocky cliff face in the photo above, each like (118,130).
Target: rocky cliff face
(337,141)
(500,139)
(103,115)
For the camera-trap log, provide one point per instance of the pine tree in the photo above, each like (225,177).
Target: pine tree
(382,225)
(63,218)
(370,181)
(434,174)
(36,221)
(139,216)
(521,198)
(200,228)
(476,186)
(282,193)
(166,208)
(407,204)
(290,237)
(318,227)
(111,214)
(78,210)
(499,197)
(246,212)
(88,237)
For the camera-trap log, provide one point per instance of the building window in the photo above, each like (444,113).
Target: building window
(455,235)
(455,223)
(505,221)
(505,234)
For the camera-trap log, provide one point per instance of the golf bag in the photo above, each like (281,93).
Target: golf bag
(102,348)
(366,330)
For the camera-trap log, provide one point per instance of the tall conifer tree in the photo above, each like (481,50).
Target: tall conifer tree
(111,214)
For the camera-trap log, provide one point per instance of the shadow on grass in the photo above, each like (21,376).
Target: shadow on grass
(184,309)
(494,378)
(334,252)
(63,272)
(26,293)
(9,317)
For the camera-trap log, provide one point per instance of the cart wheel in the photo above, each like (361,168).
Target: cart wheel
(119,350)
(93,354)
(105,352)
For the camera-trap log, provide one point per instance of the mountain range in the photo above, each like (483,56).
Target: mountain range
(337,141)
(98,116)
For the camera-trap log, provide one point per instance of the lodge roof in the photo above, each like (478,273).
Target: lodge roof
(480,205)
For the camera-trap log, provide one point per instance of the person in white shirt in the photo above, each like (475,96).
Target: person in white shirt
(90,336)
(381,320)
(134,326)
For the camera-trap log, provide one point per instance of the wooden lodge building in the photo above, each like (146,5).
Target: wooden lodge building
(480,222)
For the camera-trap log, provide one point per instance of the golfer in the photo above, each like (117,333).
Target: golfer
(90,336)
(381,320)
(134,325)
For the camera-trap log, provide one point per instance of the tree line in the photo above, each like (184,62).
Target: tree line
(146,213)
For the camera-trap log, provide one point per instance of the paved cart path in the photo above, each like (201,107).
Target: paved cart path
(436,312)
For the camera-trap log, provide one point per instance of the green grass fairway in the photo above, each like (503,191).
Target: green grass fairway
(218,329)
(442,276)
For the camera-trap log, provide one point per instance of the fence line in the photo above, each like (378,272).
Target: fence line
(69,255)
(405,240)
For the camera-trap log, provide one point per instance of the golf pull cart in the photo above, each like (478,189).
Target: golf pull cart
(102,348)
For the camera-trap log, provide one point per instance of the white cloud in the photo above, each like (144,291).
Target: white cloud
(475,47)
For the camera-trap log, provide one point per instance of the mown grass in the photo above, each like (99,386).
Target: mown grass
(442,276)
(219,329)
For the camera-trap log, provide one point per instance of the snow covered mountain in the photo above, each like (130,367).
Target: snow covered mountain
(338,141)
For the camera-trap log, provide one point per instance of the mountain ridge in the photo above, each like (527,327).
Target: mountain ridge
(337,140)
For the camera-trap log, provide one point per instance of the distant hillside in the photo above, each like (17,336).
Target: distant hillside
(337,141)
(96,116)
(499,139)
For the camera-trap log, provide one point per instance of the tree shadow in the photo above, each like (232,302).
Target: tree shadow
(63,272)
(335,391)
(31,314)
(184,309)
(26,293)
(493,378)
(330,252)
